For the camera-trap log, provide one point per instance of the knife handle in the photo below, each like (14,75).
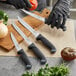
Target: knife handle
(38,53)
(25,59)
(46,43)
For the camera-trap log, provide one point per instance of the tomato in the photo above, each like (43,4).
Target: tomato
(34,4)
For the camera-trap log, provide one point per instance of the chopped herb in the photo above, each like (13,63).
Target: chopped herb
(61,70)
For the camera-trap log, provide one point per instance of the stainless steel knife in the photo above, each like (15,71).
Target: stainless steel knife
(21,53)
(34,15)
(41,18)
(31,45)
(38,36)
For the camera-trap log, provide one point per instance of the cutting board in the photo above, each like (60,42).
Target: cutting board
(7,43)
(59,38)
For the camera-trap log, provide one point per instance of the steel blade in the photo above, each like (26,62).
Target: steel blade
(22,34)
(28,27)
(15,42)
(34,15)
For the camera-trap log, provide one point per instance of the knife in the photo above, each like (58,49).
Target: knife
(41,18)
(31,45)
(21,53)
(38,36)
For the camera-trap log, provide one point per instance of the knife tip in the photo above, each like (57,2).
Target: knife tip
(11,34)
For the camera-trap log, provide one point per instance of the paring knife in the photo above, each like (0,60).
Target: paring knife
(38,36)
(31,45)
(40,18)
(21,52)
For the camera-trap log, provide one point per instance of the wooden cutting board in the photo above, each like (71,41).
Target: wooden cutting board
(7,43)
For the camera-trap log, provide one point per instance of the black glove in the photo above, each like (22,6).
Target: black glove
(59,14)
(20,3)
(41,5)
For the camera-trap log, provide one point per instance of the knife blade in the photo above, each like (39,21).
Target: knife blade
(15,42)
(21,33)
(31,45)
(41,18)
(34,15)
(38,36)
(21,53)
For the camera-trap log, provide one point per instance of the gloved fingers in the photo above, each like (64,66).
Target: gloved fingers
(49,19)
(41,5)
(20,4)
(28,4)
(53,21)
(64,18)
(63,23)
(14,3)
(56,14)
(59,22)
(66,13)
(59,19)
(17,3)
(56,19)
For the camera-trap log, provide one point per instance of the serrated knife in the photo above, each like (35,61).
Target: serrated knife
(38,36)
(21,52)
(31,45)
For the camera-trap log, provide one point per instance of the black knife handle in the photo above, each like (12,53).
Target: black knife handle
(38,53)
(46,43)
(25,59)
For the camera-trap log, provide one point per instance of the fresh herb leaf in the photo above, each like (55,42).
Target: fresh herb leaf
(61,70)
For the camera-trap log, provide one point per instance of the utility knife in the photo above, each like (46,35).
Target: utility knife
(38,36)
(31,45)
(21,52)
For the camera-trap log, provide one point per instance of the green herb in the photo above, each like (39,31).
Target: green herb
(61,70)
(3,17)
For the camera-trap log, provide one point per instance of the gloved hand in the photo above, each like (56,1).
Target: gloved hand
(59,14)
(20,3)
